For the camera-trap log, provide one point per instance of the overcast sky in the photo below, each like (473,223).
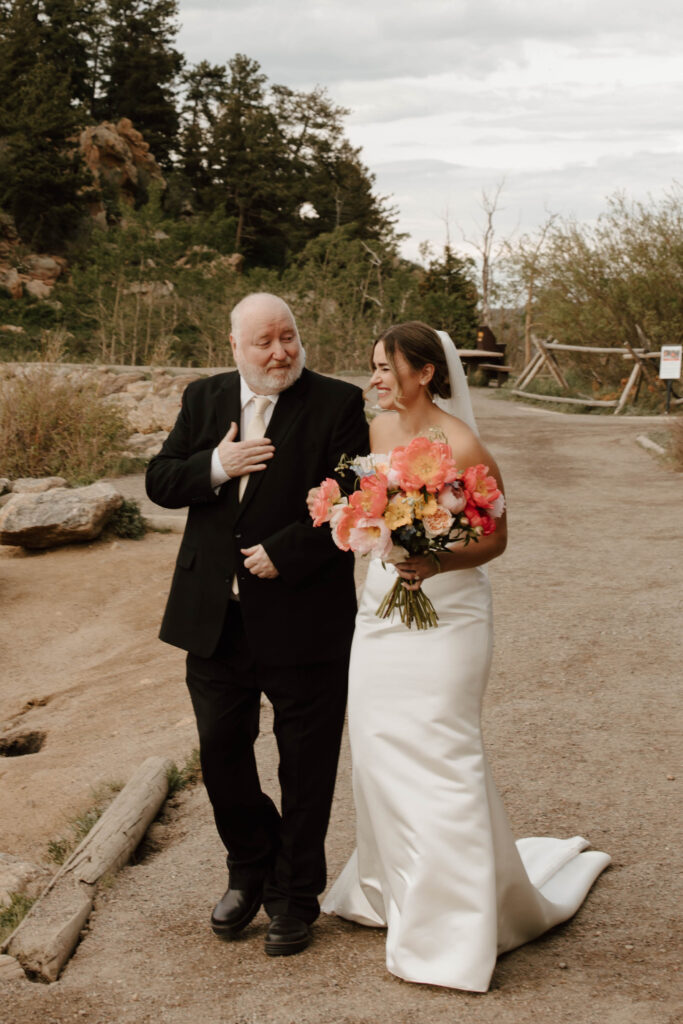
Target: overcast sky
(567,102)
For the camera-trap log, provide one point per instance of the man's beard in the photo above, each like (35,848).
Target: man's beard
(273,381)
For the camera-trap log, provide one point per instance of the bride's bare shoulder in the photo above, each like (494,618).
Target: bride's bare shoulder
(382,430)
(464,443)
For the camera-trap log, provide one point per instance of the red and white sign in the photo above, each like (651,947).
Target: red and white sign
(670,362)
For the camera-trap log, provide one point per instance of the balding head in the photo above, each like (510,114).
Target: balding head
(261,305)
(265,343)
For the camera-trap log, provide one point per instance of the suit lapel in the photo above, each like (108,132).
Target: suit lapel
(289,408)
(228,410)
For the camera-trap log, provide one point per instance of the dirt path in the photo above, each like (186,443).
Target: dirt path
(580,721)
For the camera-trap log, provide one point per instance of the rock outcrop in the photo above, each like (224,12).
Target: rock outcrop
(59,516)
(34,274)
(118,157)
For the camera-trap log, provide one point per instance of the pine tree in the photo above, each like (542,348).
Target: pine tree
(42,77)
(140,70)
(41,180)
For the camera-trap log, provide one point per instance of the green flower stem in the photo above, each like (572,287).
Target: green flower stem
(413,606)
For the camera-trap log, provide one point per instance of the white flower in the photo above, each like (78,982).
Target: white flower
(365,465)
(497,507)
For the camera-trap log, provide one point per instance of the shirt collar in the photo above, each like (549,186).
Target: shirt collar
(246,394)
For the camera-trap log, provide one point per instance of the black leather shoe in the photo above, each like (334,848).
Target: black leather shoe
(235,909)
(287,935)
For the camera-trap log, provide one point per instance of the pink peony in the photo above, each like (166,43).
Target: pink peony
(423,463)
(371,498)
(482,490)
(438,524)
(371,537)
(327,496)
(453,497)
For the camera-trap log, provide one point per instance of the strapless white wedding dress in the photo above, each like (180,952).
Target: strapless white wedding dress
(436,863)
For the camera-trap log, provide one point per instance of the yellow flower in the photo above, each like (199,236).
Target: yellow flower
(398,512)
(422,506)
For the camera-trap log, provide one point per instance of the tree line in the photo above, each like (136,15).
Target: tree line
(273,162)
(250,167)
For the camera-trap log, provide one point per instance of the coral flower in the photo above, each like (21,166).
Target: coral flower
(371,537)
(342,521)
(371,498)
(481,489)
(423,463)
(327,496)
(479,521)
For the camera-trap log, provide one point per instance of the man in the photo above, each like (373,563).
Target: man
(262,601)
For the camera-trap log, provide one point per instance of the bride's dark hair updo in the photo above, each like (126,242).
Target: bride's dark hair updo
(419,345)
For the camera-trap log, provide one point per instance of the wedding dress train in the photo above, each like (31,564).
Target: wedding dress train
(436,862)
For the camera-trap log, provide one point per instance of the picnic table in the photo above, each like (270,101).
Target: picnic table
(493,363)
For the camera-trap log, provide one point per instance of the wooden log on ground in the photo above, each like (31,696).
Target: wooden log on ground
(45,939)
(645,442)
(560,398)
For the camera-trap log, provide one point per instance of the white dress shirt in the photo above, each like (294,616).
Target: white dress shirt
(247,396)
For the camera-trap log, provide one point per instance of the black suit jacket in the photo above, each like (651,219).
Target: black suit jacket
(307,613)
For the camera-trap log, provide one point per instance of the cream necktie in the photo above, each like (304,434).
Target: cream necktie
(256,428)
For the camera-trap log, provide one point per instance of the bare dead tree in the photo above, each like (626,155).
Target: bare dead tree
(484,246)
(526,257)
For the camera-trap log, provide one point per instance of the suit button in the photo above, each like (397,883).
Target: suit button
(238,536)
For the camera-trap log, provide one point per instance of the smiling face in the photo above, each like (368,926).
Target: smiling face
(266,345)
(400,386)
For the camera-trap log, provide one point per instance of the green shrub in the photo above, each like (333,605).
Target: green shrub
(50,426)
(128,522)
(188,775)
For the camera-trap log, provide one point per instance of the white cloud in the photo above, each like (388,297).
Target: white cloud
(568,102)
(308,41)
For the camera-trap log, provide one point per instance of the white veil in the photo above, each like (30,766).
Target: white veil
(459,404)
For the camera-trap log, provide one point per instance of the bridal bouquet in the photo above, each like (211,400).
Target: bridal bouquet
(414,501)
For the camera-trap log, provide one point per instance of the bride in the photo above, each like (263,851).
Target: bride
(436,863)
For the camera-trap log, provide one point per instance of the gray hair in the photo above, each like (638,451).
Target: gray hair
(242,306)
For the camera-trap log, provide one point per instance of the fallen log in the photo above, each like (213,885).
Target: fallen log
(47,936)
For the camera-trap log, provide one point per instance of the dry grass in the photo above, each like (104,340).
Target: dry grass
(51,426)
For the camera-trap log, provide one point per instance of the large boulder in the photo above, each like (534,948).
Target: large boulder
(37,484)
(59,516)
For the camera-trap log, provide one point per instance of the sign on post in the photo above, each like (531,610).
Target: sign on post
(670,362)
(670,367)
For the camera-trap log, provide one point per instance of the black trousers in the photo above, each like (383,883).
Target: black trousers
(283,850)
